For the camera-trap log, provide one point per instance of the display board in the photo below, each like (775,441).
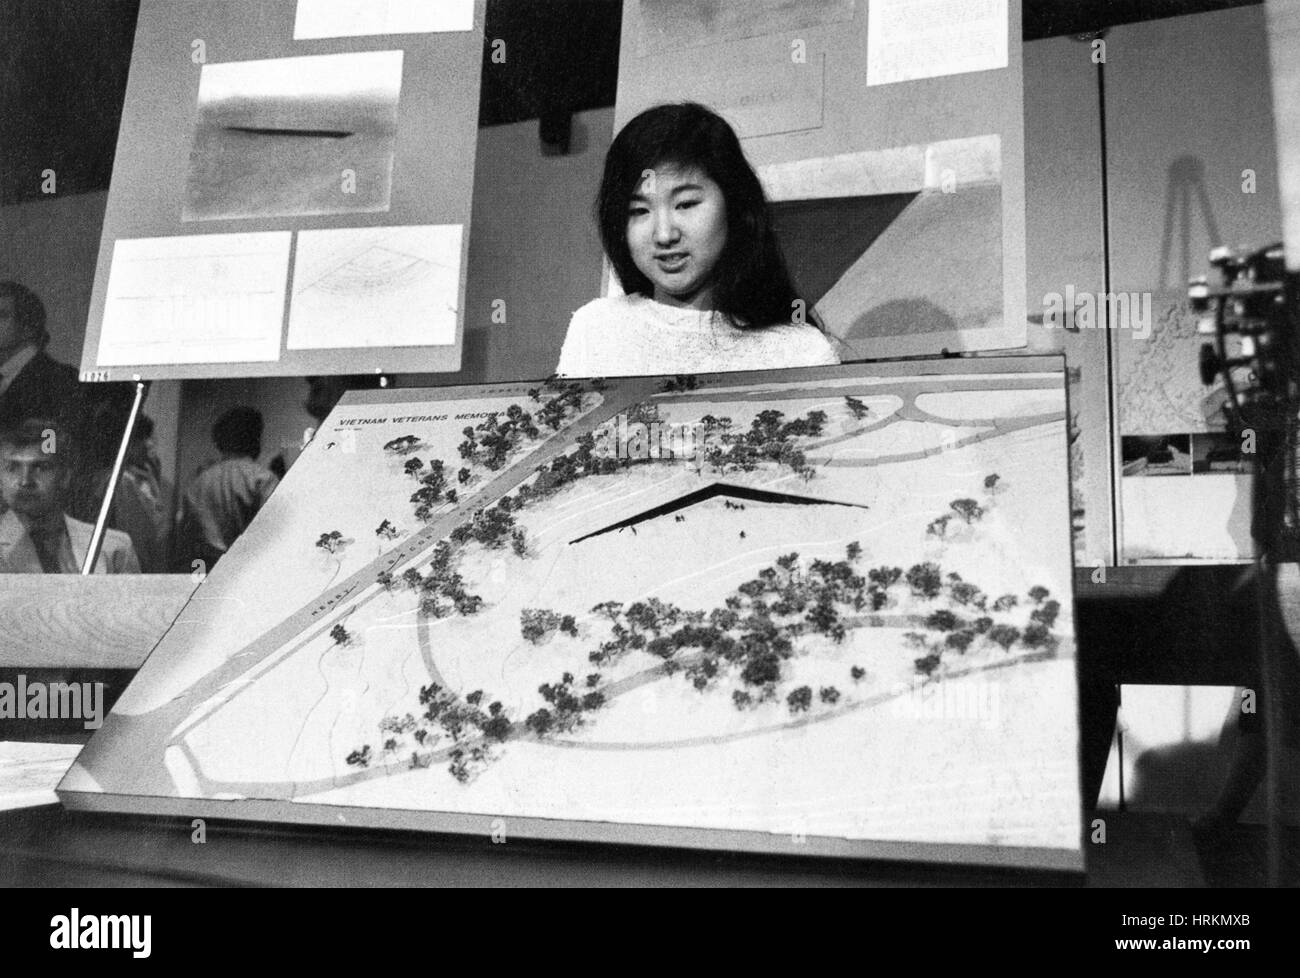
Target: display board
(291,192)
(816,611)
(1181,183)
(891,135)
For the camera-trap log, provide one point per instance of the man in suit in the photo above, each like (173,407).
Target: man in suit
(36,536)
(32,384)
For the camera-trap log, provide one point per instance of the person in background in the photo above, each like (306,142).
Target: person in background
(227,494)
(141,504)
(36,534)
(32,384)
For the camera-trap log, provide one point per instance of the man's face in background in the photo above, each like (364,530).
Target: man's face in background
(32,481)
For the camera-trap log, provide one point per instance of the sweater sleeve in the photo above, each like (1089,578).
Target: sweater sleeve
(818,349)
(576,353)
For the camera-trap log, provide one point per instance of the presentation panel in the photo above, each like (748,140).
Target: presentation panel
(291,192)
(890,134)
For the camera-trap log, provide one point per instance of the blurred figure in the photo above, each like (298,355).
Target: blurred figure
(36,535)
(227,494)
(141,504)
(32,385)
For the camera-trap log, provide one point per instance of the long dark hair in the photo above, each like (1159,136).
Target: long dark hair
(752,284)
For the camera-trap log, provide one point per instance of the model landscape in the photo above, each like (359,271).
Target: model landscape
(835,609)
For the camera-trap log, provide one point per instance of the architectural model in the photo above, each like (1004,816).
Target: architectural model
(813,610)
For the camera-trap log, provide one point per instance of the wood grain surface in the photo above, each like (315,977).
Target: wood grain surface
(69,621)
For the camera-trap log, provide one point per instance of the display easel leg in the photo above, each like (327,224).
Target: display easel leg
(97,538)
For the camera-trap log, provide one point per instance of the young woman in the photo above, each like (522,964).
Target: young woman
(686,227)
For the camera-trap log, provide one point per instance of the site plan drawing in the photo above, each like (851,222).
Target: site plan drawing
(814,611)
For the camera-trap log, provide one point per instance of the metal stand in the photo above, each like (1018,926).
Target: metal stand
(97,538)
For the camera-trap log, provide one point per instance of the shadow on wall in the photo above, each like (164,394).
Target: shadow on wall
(898,316)
(934,270)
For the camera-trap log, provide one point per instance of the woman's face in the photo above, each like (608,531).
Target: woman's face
(676,231)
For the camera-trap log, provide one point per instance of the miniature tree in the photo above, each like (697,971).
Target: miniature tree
(800,699)
(927,664)
(960,640)
(762,668)
(991,483)
(330,542)
(938,527)
(924,579)
(857,672)
(965,593)
(982,624)
(386,531)
(943,620)
(534,623)
(360,757)
(829,695)
(403,445)
(467,604)
(741,700)
(853,551)
(1046,613)
(884,577)
(340,635)
(1037,593)
(823,617)
(1037,635)
(412,466)
(1006,602)
(856,407)
(917,640)
(968,509)
(1004,635)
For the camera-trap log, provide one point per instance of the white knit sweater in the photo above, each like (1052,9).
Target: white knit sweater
(630,335)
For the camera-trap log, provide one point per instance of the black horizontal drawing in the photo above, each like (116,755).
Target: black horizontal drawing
(709,492)
(313,133)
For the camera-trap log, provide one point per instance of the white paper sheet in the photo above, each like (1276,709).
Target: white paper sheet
(362,18)
(29,772)
(911,39)
(372,287)
(215,298)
